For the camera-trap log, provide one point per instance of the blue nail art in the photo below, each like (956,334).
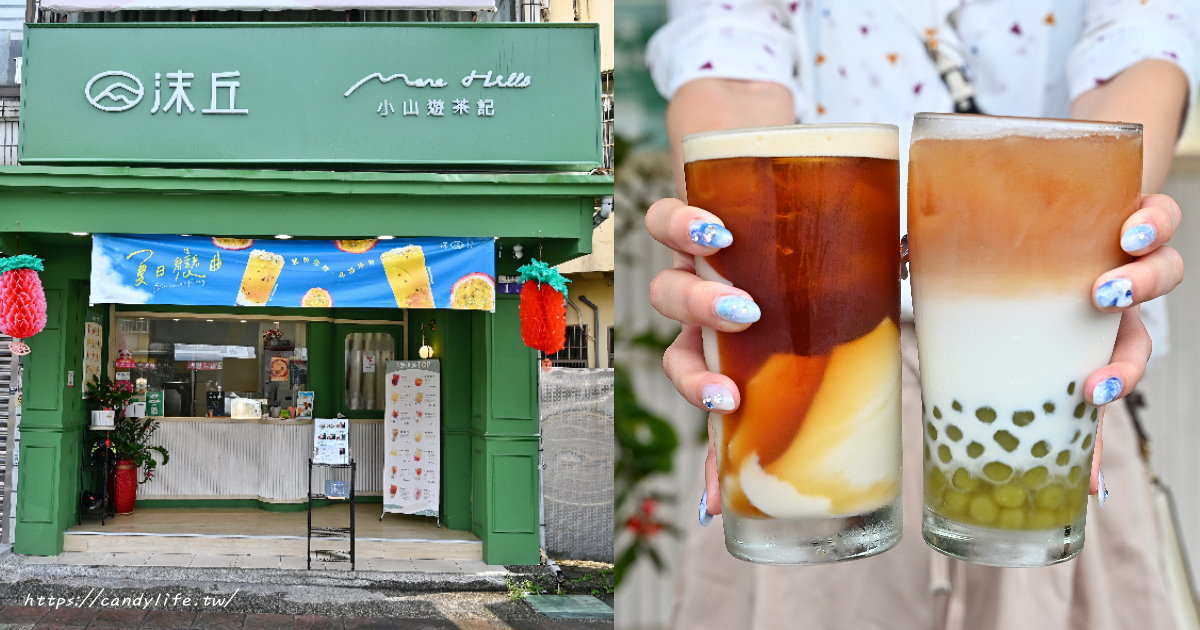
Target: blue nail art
(1117,292)
(1106,391)
(1138,237)
(710,234)
(1102,490)
(716,398)
(705,517)
(737,309)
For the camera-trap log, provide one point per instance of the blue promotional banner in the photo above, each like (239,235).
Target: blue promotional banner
(453,273)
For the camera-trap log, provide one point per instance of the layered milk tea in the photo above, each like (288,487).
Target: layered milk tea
(1010,223)
(809,463)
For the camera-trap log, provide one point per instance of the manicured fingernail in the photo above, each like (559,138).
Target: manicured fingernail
(1102,490)
(1107,391)
(736,309)
(705,517)
(1117,292)
(710,234)
(716,398)
(1138,237)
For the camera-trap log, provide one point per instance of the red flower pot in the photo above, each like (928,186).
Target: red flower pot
(124,487)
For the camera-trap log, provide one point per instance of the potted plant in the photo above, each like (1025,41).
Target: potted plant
(129,442)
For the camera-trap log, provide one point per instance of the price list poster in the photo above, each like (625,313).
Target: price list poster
(412,438)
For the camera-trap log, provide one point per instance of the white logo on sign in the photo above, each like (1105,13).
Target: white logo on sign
(110,93)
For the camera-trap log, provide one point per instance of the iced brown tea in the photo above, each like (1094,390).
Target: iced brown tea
(809,463)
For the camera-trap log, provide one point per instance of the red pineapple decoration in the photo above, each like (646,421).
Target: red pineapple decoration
(22,300)
(543,307)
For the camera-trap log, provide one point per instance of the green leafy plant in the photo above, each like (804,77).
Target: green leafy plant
(130,437)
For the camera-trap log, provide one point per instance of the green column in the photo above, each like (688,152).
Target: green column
(53,416)
(505,463)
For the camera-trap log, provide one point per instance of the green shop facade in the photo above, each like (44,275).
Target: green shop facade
(313,131)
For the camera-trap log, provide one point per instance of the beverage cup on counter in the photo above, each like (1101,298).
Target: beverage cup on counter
(1011,220)
(809,463)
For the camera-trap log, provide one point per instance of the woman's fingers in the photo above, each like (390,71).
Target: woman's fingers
(686,229)
(1144,279)
(1128,363)
(683,363)
(1152,225)
(1119,377)
(712,488)
(681,296)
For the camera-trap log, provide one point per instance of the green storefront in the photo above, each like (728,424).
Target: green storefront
(465,131)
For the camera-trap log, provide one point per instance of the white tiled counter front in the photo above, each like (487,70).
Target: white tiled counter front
(266,460)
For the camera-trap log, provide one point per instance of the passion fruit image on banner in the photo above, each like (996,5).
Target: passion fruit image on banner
(428,272)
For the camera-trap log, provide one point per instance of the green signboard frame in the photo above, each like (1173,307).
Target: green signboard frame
(464,96)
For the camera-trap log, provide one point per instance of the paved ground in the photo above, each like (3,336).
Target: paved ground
(44,596)
(187,560)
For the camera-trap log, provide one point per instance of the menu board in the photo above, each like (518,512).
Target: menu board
(412,438)
(331,441)
(93,348)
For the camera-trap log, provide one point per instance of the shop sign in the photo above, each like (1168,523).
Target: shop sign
(412,437)
(466,95)
(450,273)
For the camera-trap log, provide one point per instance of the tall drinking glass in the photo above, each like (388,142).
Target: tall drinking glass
(810,461)
(1010,221)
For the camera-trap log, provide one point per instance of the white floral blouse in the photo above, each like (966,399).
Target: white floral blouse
(866,60)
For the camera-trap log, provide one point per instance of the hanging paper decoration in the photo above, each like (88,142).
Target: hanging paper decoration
(22,300)
(543,307)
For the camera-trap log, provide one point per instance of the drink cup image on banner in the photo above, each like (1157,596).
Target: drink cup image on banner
(258,281)
(408,276)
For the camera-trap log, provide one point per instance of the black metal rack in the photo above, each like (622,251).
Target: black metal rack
(343,533)
(105,465)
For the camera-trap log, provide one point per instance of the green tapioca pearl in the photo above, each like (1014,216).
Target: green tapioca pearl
(1071,389)
(1064,458)
(964,481)
(974,450)
(944,453)
(1006,440)
(1041,519)
(931,431)
(1074,475)
(957,406)
(1048,407)
(1012,519)
(1075,438)
(1050,497)
(1087,442)
(1035,477)
(1008,495)
(1095,414)
(955,501)
(983,509)
(1022,418)
(953,432)
(1041,449)
(937,413)
(1080,409)
(986,415)
(997,471)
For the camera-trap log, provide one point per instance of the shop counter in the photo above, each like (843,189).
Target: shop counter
(265,460)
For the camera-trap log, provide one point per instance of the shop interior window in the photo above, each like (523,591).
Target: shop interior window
(201,366)
(367,354)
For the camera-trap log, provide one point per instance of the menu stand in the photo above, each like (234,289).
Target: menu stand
(87,474)
(343,533)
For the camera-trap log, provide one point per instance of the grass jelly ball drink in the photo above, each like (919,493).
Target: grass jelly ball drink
(810,461)
(1011,220)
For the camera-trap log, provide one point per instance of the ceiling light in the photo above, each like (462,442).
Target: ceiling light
(283,237)
(79,233)
(385,237)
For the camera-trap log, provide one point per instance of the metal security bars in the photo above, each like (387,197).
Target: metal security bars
(9,113)
(575,352)
(7,426)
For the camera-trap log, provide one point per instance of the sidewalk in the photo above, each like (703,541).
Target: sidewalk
(134,591)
